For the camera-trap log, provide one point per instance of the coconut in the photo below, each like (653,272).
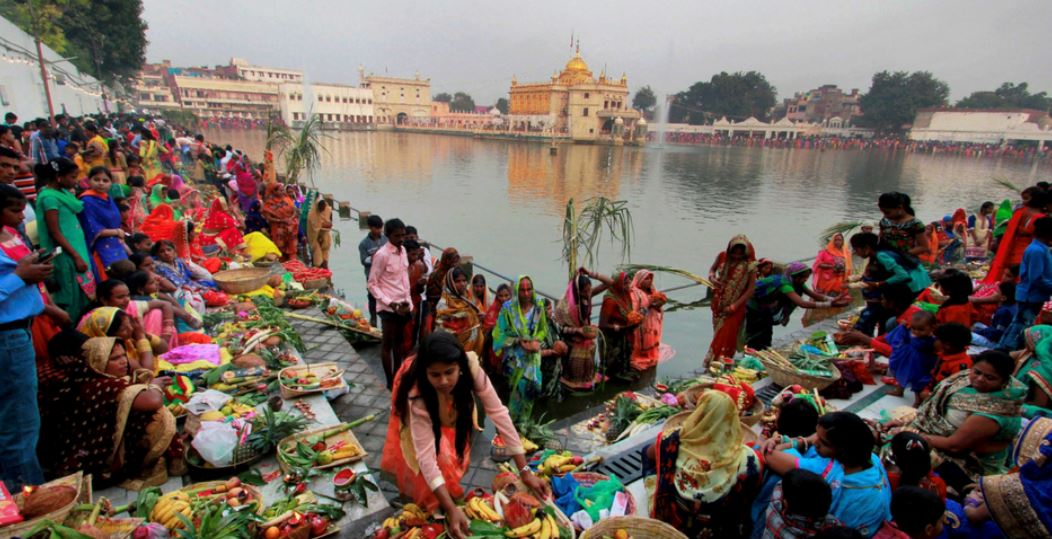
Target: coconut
(247,361)
(47,499)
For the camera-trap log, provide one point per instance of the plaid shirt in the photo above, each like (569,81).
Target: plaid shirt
(779,525)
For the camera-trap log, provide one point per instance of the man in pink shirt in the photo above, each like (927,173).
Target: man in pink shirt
(389,284)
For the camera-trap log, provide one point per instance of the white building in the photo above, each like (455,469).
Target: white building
(22,91)
(983,126)
(339,106)
(274,75)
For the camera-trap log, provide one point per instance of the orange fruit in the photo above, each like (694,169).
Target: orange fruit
(621,534)
(272,532)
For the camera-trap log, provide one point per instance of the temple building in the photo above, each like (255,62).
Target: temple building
(575,105)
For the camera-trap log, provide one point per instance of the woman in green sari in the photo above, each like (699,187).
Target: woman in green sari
(1034,368)
(1001,218)
(971,419)
(72,284)
(522,337)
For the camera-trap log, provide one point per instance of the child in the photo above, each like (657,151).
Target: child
(957,287)
(987,336)
(912,354)
(796,418)
(951,347)
(917,514)
(799,507)
(911,457)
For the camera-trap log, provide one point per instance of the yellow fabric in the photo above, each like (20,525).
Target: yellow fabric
(97,350)
(711,449)
(224,358)
(97,322)
(258,246)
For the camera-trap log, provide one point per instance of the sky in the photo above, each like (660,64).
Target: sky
(477,46)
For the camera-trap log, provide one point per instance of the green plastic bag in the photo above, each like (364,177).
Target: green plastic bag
(598,496)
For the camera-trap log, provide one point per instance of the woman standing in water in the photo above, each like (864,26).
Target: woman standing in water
(734,276)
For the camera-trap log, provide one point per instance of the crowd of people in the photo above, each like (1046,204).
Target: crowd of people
(113,227)
(889,144)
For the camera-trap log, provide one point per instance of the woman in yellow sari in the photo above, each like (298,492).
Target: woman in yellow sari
(113,322)
(457,312)
(149,152)
(319,233)
(114,425)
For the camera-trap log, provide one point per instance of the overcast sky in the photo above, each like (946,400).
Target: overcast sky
(477,46)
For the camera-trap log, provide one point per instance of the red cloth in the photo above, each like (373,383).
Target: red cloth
(963,314)
(1017,236)
(161,224)
(948,366)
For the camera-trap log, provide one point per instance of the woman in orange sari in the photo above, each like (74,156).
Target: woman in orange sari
(1019,234)
(433,418)
(831,268)
(280,212)
(734,277)
(647,350)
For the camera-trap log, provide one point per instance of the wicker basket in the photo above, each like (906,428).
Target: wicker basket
(195,489)
(76,480)
(786,377)
(587,479)
(323,370)
(637,527)
(241,281)
(315,284)
(749,417)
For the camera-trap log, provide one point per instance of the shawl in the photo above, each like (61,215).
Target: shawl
(97,323)
(279,208)
(734,276)
(1001,217)
(628,300)
(158,195)
(512,323)
(436,280)
(572,310)
(161,224)
(246,184)
(458,314)
(711,449)
(842,253)
(956,393)
(62,197)
(101,213)
(960,217)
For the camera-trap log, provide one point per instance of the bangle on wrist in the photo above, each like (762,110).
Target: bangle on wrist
(525,469)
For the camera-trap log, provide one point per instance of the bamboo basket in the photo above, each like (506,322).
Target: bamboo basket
(323,370)
(748,417)
(587,479)
(76,480)
(635,526)
(786,377)
(346,435)
(257,495)
(241,281)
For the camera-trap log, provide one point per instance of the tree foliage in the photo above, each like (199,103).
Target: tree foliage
(1008,96)
(502,105)
(106,38)
(462,102)
(734,95)
(442,97)
(893,98)
(644,100)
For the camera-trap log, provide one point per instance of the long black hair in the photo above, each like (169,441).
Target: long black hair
(439,347)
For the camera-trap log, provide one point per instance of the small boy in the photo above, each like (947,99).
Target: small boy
(912,353)
(918,514)
(799,507)
(951,347)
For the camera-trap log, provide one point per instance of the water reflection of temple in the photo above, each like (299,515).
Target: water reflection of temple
(578,172)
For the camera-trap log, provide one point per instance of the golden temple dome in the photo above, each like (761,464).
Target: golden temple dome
(576,64)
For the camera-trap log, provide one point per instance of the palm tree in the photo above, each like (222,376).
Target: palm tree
(585,230)
(305,148)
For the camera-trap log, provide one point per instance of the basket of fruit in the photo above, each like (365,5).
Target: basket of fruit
(323,448)
(631,528)
(53,500)
(521,515)
(300,380)
(230,494)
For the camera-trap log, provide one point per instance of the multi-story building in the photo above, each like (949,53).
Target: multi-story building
(826,105)
(275,75)
(151,89)
(225,98)
(339,106)
(575,104)
(399,101)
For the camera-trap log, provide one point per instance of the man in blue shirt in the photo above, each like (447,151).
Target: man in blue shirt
(42,144)
(1035,285)
(20,301)
(366,249)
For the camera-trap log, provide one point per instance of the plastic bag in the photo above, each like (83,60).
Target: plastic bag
(215,442)
(205,401)
(601,495)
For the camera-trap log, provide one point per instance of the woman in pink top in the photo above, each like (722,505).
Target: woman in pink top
(433,417)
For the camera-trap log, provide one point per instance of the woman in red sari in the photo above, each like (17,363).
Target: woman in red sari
(831,268)
(1019,234)
(221,228)
(280,212)
(734,277)
(647,351)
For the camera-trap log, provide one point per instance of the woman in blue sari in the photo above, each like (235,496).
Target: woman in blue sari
(168,264)
(101,221)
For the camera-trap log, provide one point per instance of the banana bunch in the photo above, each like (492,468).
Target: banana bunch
(528,445)
(741,374)
(479,509)
(542,527)
(168,508)
(558,463)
